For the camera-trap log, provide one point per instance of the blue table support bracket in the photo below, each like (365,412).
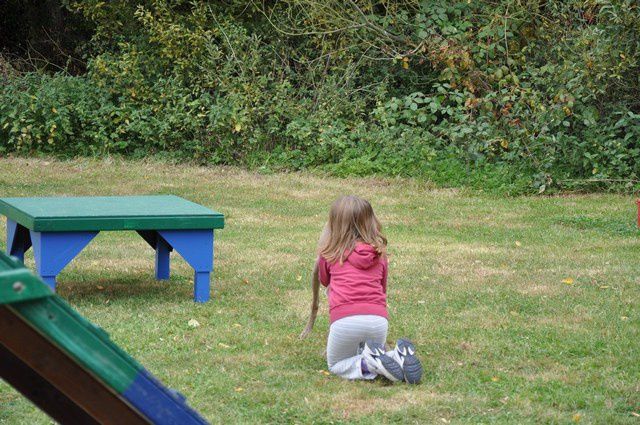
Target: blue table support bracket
(54,250)
(18,239)
(196,247)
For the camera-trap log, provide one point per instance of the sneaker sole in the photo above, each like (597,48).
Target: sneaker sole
(387,366)
(411,366)
(391,369)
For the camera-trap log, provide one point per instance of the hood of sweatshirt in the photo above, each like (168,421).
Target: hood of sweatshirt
(363,257)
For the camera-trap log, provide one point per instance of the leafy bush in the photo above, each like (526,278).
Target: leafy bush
(74,116)
(511,96)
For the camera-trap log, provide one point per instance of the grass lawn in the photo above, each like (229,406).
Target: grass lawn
(524,310)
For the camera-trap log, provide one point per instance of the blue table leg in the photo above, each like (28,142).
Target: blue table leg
(54,250)
(18,239)
(196,247)
(201,286)
(163,252)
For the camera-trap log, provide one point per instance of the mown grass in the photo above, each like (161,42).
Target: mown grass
(476,281)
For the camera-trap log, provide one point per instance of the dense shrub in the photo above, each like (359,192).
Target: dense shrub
(511,95)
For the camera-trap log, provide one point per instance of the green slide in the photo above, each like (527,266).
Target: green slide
(68,366)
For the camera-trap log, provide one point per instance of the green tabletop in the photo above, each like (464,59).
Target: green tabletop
(64,214)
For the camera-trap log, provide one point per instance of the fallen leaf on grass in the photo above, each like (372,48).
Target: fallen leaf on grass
(518,243)
(577,417)
(567,281)
(624,318)
(100,288)
(298,278)
(239,389)
(223,345)
(637,415)
(495,379)
(604,287)
(193,323)
(325,372)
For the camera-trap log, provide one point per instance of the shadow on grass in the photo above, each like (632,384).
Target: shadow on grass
(138,288)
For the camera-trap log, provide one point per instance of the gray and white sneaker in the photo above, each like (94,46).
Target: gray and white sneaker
(378,362)
(405,354)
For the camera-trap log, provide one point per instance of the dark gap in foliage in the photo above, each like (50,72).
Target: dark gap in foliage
(43,35)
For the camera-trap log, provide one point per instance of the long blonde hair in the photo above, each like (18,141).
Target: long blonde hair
(351,220)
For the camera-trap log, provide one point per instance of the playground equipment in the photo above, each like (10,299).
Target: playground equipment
(59,228)
(69,367)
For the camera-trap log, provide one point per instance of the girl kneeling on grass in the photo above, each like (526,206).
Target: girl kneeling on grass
(352,264)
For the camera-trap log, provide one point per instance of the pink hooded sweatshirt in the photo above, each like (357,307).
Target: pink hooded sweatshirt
(358,285)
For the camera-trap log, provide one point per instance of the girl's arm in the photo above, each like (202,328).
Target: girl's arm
(315,289)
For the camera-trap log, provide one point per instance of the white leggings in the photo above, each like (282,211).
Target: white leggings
(344,337)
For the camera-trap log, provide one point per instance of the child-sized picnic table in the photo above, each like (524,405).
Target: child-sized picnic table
(59,228)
